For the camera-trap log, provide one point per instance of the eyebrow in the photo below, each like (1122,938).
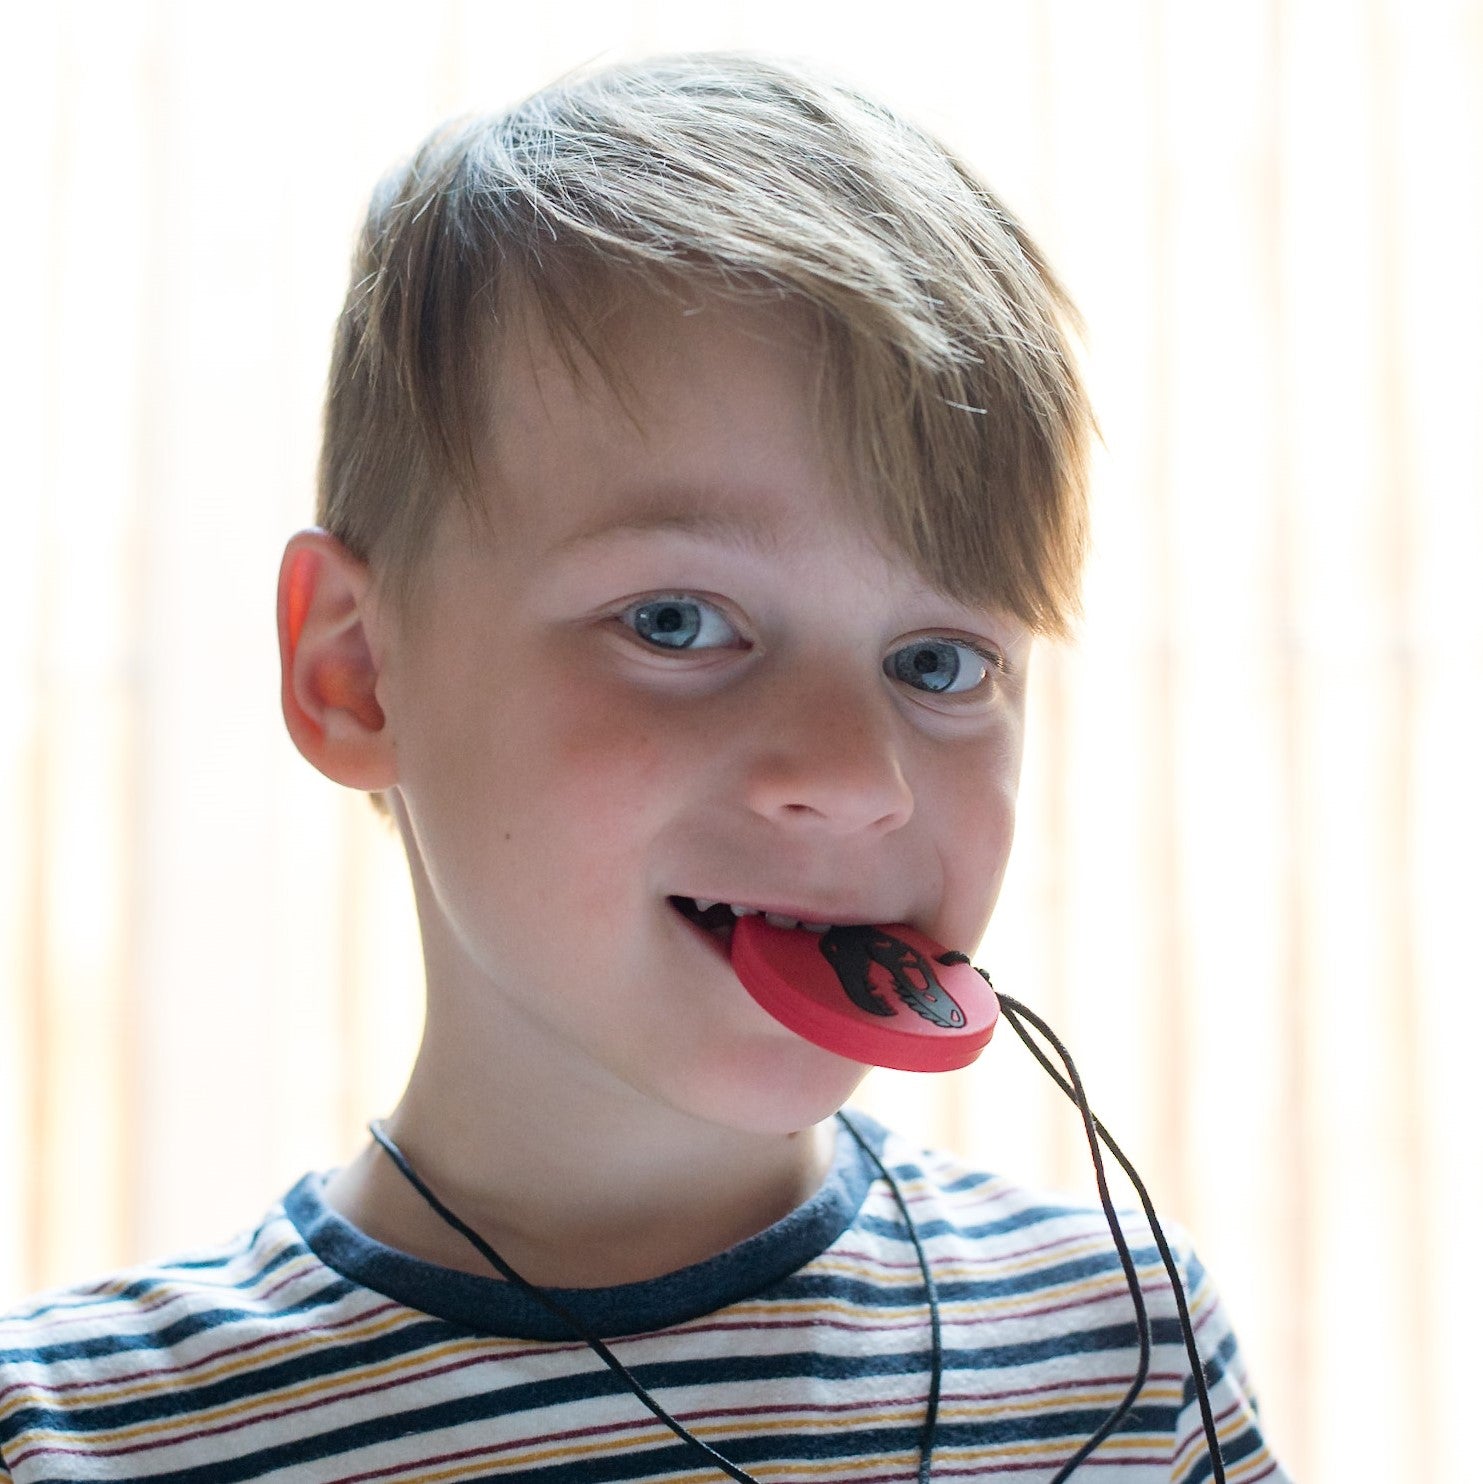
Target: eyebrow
(736,528)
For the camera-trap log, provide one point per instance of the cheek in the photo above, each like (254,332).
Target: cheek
(616,769)
(977,831)
(610,757)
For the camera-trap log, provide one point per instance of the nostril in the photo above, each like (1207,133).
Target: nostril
(849,791)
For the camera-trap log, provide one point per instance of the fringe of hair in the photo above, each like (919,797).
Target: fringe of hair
(948,377)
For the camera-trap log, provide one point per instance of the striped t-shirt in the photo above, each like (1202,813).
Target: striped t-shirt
(303,1350)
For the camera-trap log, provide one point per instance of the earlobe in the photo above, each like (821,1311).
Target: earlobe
(329,665)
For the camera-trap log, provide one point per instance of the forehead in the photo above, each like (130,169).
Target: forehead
(686,412)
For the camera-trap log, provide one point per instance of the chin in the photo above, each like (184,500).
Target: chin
(778,1089)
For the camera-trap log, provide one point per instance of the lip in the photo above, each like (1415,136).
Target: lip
(718,935)
(792,909)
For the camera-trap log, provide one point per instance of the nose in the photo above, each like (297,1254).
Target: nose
(829,759)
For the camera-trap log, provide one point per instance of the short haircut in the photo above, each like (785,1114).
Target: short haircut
(946,369)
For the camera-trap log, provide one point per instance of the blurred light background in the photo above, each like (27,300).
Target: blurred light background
(1247,884)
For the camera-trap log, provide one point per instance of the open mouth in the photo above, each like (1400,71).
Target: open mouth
(718,919)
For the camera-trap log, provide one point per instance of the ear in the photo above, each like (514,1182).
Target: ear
(329,663)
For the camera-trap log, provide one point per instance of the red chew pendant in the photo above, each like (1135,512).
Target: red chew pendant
(878,995)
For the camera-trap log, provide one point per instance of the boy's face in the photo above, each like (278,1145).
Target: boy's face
(680,668)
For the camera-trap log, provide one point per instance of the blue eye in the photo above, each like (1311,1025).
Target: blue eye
(941,666)
(679,623)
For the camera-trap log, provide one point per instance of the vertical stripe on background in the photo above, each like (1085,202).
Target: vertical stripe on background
(1245,886)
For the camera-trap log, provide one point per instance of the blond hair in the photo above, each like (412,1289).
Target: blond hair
(950,383)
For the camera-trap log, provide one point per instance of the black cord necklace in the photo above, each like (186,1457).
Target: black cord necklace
(1071,1086)
(1070,1083)
(580,1331)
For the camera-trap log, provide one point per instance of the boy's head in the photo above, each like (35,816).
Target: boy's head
(945,380)
(702,453)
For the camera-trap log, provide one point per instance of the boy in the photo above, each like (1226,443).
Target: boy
(702,453)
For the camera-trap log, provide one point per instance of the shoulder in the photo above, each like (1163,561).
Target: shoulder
(130,1347)
(256,1271)
(1037,1315)
(1010,1263)
(990,1223)
(1049,1259)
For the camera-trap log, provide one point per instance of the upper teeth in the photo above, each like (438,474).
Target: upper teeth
(775,918)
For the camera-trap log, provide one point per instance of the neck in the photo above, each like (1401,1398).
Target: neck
(575,1183)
